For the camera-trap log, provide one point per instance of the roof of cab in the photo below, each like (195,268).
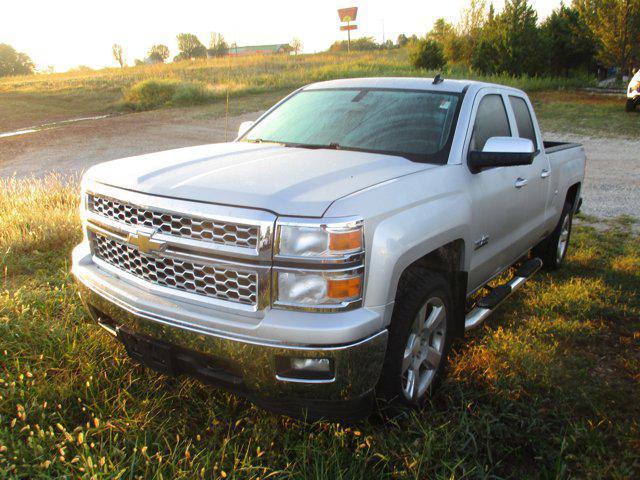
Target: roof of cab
(408,83)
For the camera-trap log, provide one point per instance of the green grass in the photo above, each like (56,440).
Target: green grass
(585,114)
(30,100)
(548,388)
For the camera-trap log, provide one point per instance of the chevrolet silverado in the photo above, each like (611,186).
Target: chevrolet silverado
(330,254)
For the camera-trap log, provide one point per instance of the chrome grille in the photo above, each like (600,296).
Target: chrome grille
(206,230)
(211,281)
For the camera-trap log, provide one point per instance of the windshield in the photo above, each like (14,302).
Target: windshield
(414,124)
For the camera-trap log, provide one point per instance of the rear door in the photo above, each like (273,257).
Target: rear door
(496,204)
(537,176)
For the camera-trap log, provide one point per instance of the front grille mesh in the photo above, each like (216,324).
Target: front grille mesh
(211,281)
(232,234)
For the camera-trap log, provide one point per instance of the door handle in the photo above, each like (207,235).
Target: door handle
(521,182)
(545,173)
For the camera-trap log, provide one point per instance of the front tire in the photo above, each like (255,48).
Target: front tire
(553,250)
(419,338)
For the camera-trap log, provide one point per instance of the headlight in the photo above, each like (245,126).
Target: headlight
(333,240)
(319,264)
(317,288)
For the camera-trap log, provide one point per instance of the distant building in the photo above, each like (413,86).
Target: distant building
(260,50)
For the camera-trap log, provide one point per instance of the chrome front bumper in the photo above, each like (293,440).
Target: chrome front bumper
(356,364)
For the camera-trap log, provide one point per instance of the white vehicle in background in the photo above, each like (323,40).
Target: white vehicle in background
(633,92)
(333,252)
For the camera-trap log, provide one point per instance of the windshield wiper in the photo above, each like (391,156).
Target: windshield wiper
(314,146)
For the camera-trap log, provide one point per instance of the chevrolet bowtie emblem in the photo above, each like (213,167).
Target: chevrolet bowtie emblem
(144,242)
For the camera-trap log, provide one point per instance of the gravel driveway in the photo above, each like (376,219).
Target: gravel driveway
(612,185)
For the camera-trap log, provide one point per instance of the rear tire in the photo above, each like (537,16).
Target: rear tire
(420,337)
(553,249)
(631,105)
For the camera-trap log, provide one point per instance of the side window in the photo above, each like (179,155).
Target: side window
(523,119)
(491,121)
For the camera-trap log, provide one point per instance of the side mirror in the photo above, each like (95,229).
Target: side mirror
(502,152)
(244,127)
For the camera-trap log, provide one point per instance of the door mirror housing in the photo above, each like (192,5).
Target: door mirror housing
(502,152)
(244,127)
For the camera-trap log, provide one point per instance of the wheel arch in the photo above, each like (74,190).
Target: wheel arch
(447,260)
(573,195)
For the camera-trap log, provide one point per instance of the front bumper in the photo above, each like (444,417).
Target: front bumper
(250,362)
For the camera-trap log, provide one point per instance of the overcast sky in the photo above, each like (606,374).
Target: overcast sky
(67,33)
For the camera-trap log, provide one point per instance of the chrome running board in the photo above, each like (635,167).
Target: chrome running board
(486,305)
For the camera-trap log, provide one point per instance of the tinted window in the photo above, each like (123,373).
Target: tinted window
(523,119)
(491,121)
(406,122)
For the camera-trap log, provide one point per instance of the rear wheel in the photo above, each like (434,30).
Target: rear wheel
(419,338)
(631,105)
(553,249)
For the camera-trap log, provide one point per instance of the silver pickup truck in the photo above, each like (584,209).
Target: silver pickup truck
(332,252)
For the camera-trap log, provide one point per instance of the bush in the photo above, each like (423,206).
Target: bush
(427,53)
(150,94)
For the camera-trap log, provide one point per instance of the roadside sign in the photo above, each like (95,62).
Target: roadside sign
(344,28)
(348,14)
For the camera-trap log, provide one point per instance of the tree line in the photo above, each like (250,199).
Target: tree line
(578,38)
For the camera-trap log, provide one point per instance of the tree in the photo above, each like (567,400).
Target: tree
(217,45)
(296,45)
(13,62)
(568,43)
(444,33)
(190,47)
(510,42)
(158,54)
(616,26)
(427,53)
(118,54)
(469,31)
(402,40)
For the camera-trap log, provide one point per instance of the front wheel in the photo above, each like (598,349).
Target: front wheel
(419,338)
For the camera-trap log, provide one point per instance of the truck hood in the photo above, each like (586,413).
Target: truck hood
(283,180)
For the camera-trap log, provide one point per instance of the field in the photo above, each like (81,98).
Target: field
(547,389)
(32,100)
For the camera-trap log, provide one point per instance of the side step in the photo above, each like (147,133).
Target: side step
(486,305)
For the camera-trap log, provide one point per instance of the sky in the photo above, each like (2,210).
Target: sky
(68,33)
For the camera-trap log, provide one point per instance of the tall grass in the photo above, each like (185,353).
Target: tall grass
(548,388)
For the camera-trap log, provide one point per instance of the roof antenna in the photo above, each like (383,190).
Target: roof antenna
(438,80)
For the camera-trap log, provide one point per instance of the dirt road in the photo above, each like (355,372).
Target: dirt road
(74,147)
(612,186)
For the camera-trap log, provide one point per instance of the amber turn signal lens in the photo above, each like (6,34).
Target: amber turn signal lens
(341,288)
(345,241)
